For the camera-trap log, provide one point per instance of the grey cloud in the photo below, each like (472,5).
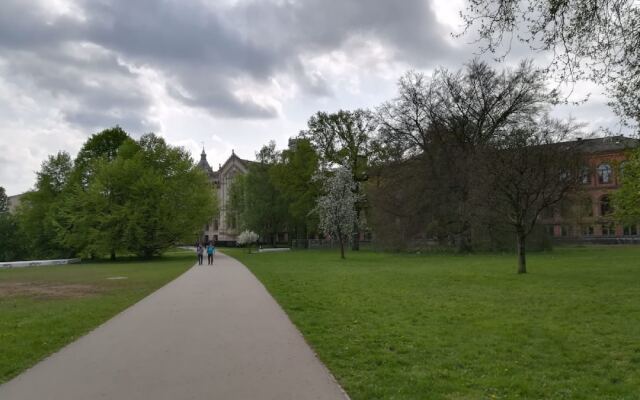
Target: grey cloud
(203,51)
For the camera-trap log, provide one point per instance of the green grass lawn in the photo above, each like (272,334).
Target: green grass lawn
(398,326)
(44,308)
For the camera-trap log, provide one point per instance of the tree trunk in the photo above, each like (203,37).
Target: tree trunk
(522,257)
(342,247)
(113,255)
(355,243)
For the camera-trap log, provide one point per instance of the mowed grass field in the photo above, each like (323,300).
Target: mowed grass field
(399,326)
(44,308)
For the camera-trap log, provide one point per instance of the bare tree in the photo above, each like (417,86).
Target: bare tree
(597,40)
(525,171)
(443,120)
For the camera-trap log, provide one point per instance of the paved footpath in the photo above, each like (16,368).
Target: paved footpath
(213,333)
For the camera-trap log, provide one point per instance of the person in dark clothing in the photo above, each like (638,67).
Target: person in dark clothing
(200,252)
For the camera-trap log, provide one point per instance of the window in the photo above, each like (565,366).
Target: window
(585,175)
(605,174)
(605,205)
(608,230)
(549,229)
(631,230)
(565,230)
(587,230)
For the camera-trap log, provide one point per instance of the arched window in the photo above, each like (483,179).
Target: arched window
(605,174)
(585,175)
(605,205)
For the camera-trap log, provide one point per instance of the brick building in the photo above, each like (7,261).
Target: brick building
(587,214)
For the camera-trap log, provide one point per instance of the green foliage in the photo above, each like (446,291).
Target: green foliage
(4,201)
(37,210)
(293,177)
(441,326)
(278,192)
(12,241)
(139,197)
(103,145)
(626,200)
(265,210)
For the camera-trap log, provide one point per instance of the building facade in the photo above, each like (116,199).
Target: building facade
(219,230)
(587,215)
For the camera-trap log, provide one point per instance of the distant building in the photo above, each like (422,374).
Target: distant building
(219,230)
(587,215)
(14,202)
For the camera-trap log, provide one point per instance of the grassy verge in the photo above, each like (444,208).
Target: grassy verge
(44,308)
(393,326)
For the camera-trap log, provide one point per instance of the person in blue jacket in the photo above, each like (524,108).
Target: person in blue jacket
(210,251)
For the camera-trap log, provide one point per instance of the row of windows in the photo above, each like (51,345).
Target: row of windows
(590,230)
(604,173)
(584,208)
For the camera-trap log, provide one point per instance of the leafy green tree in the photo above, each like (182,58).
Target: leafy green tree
(345,139)
(11,240)
(265,210)
(168,201)
(293,178)
(4,201)
(102,145)
(254,200)
(626,200)
(36,213)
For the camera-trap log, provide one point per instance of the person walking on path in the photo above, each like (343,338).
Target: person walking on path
(200,252)
(210,251)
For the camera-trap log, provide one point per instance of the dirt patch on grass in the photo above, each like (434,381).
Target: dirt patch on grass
(46,290)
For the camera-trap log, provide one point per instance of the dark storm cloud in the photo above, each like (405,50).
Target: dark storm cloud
(203,50)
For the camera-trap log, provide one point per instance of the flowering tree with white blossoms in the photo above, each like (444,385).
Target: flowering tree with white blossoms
(247,238)
(336,208)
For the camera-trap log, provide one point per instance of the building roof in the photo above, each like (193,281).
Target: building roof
(214,175)
(607,144)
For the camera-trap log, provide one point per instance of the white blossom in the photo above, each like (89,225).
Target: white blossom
(247,237)
(336,208)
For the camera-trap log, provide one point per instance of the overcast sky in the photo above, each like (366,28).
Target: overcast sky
(231,74)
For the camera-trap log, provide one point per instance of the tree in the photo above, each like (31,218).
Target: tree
(525,171)
(437,125)
(247,238)
(4,201)
(336,206)
(293,178)
(587,39)
(345,139)
(11,240)
(626,200)
(168,199)
(255,201)
(36,213)
(102,145)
